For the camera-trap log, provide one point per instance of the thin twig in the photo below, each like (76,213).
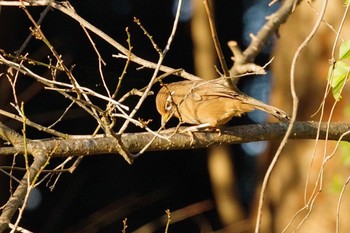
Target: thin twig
(30,36)
(215,37)
(33,124)
(327,91)
(155,73)
(122,75)
(293,117)
(118,46)
(337,224)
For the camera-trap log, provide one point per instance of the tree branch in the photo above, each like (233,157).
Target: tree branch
(16,200)
(262,37)
(100,144)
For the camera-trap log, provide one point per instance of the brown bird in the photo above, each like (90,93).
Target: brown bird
(208,103)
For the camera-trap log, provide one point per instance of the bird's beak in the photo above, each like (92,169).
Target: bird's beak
(165,118)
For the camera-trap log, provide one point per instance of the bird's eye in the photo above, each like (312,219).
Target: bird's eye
(168,105)
(169,101)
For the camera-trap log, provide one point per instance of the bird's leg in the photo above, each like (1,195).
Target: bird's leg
(191,134)
(201,127)
(190,130)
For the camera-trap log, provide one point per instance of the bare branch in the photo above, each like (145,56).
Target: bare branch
(293,117)
(134,142)
(18,196)
(214,35)
(261,38)
(118,46)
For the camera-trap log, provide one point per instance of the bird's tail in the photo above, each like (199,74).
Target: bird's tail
(276,112)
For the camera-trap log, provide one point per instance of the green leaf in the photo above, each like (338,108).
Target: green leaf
(337,183)
(344,148)
(337,77)
(346,2)
(346,113)
(344,51)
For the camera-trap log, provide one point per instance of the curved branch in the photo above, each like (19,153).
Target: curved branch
(270,27)
(262,37)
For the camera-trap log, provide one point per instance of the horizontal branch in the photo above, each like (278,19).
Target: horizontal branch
(135,142)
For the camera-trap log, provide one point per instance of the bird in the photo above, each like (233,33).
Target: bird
(208,103)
